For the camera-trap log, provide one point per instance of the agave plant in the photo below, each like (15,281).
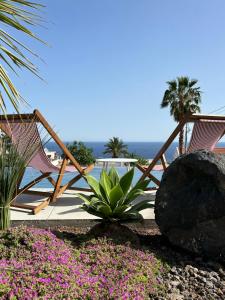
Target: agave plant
(113,197)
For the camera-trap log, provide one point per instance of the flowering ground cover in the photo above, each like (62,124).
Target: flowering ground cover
(35,264)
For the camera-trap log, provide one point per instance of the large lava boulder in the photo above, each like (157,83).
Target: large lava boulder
(190,203)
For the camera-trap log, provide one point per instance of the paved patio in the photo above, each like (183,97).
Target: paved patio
(67,207)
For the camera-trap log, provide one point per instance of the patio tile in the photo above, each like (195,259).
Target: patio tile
(67,207)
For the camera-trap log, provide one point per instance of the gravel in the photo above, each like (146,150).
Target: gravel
(194,282)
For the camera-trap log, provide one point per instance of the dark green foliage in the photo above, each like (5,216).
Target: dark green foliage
(116,148)
(182,97)
(113,197)
(12,166)
(82,154)
(140,159)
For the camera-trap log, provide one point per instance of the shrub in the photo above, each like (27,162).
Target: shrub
(113,197)
(140,159)
(13,161)
(36,265)
(82,154)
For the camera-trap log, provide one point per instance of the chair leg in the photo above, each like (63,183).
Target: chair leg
(33,208)
(69,184)
(40,206)
(59,180)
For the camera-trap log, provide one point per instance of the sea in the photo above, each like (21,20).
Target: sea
(145,149)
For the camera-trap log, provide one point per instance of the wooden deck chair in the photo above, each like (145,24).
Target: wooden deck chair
(206,133)
(23,129)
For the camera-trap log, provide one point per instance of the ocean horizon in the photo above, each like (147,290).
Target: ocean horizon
(147,150)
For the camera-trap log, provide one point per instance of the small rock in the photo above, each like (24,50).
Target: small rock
(203,273)
(209,284)
(175,283)
(173,270)
(221,272)
(202,279)
(175,296)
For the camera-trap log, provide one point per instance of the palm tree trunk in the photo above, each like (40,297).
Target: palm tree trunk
(181,141)
(186,136)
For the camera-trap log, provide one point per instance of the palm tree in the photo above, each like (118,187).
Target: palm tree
(19,15)
(183,97)
(115,147)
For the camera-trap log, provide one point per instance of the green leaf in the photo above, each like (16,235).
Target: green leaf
(105,182)
(17,14)
(132,216)
(105,210)
(141,205)
(141,185)
(120,209)
(92,211)
(95,201)
(133,194)
(104,196)
(85,198)
(93,184)
(114,176)
(115,195)
(126,180)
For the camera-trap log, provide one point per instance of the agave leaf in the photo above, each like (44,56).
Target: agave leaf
(115,195)
(95,201)
(104,209)
(142,185)
(93,184)
(104,196)
(105,182)
(86,199)
(114,176)
(120,209)
(126,180)
(92,211)
(141,205)
(132,216)
(133,194)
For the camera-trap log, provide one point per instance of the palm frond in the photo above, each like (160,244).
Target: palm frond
(172,84)
(193,82)
(19,15)
(11,92)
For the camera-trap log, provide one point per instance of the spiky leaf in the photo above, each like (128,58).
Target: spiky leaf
(114,176)
(126,181)
(115,195)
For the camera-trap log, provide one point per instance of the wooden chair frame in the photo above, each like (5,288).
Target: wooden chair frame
(160,156)
(58,188)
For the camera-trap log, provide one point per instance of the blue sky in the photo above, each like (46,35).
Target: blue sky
(108,62)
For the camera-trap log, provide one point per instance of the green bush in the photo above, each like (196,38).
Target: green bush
(13,162)
(113,197)
(140,159)
(82,154)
